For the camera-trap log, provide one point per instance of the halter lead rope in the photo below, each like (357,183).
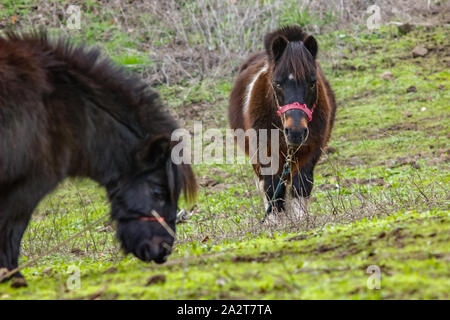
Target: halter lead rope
(287,164)
(286,171)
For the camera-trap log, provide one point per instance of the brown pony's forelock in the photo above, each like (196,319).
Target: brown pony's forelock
(296,58)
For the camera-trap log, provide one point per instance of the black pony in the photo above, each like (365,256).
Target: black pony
(66,112)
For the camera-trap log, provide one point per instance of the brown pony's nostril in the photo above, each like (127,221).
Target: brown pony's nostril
(297,136)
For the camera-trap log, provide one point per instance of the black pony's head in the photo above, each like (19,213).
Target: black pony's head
(150,192)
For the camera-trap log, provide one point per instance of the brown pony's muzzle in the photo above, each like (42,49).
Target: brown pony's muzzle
(295,127)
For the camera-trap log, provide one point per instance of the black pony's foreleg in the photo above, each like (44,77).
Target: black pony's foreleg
(11,232)
(16,207)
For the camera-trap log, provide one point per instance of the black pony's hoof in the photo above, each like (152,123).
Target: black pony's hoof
(17,278)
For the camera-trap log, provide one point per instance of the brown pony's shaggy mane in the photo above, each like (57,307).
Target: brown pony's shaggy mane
(296,58)
(291,33)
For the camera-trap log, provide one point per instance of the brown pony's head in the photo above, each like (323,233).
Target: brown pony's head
(293,75)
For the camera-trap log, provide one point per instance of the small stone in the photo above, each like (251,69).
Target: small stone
(419,52)
(405,28)
(19,283)
(423,109)
(411,89)
(47,270)
(159,278)
(221,282)
(415,165)
(387,75)
(407,114)
(331,150)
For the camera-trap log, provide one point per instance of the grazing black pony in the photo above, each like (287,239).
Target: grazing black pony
(66,112)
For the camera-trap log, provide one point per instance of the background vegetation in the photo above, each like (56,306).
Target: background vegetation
(381,190)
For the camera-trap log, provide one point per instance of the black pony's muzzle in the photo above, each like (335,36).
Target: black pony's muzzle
(156,250)
(147,240)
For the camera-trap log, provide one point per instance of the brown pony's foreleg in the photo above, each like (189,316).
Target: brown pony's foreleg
(270,184)
(303,181)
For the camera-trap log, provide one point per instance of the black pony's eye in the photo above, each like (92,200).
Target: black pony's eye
(157,193)
(313,84)
(277,84)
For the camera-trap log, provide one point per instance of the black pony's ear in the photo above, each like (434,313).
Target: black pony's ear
(311,44)
(277,47)
(155,151)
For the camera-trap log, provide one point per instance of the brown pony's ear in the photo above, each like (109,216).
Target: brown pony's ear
(277,47)
(311,44)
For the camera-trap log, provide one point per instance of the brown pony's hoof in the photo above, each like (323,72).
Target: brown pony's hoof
(271,219)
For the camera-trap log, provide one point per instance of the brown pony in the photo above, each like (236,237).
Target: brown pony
(284,87)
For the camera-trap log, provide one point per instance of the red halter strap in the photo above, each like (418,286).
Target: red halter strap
(151,219)
(297,106)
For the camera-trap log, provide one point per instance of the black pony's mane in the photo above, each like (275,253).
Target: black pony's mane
(124,96)
(39,64)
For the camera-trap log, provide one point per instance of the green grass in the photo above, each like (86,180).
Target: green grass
(381,132)
(410,248)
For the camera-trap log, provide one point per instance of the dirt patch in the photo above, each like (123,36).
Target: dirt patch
(438,157)
(354,162)
(212,183)
(300,237)
(348,252)
(110,270)
(200,111)
(325,248)
(356,181)
(263,257)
